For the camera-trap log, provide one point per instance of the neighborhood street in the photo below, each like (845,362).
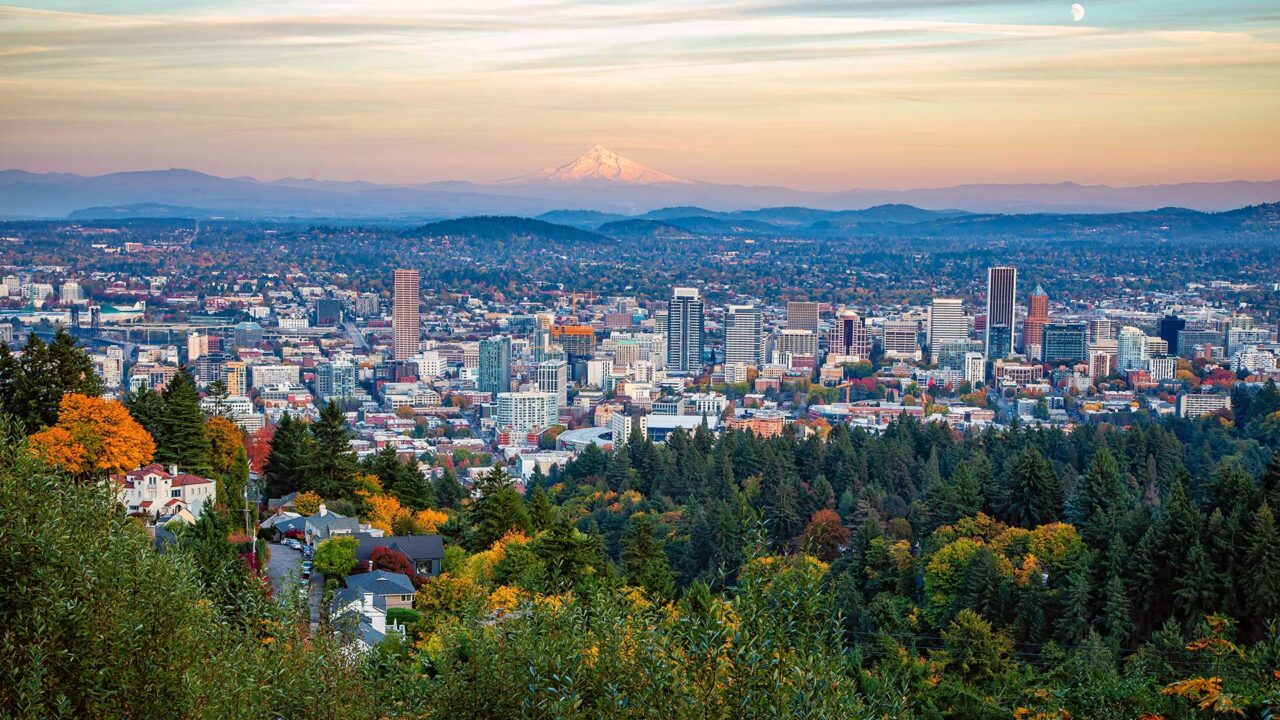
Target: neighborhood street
(284,568)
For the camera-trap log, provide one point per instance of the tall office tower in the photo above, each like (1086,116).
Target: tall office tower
(803,316)
(947,323)
(1101,330)
(247,334)
(849,335)
(1131,349)
(901,339)
(335,380)
(494,374)
(578,341)
(1170,326)
(742,327)
(792,342)
(328,312)
(405,320)
(660,323)
(1002,293)
(237,378)
(1064,342)
(197,345)
(684,331)
(525,411)
(553,379)
(1037,318)
(71,292)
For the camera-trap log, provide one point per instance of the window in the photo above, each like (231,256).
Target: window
(175,493)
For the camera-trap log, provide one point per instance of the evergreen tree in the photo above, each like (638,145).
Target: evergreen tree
(1076,620)
(290,456)
(333,464)
(182,440)
(959,496)
(644,559)
(147,408)
(541,512)
(568,556)
(1195,592)
(1035,495)
(449,491)
(1098,498)
(498,510)
(1263,588)
(32,386)
(413,489)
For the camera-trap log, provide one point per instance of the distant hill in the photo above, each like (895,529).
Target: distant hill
(142,210)
(640,229)
(581,219)
(503,227)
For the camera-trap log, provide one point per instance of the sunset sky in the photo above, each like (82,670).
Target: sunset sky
(814,94)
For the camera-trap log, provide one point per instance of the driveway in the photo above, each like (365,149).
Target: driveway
(284,569)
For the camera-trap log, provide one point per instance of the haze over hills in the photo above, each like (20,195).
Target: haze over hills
(599,181)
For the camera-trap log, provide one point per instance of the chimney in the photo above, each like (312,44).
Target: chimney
(173,469)
(322,511)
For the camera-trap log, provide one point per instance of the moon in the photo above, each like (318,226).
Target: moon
(1077,12)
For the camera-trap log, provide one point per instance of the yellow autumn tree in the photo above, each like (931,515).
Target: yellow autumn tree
(430,520)
(93,437)
(226,443)
(307,503)
(383,511)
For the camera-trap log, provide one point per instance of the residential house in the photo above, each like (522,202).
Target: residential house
(156,492)
(425,552)
(390,590)
(354,612)
(325,524)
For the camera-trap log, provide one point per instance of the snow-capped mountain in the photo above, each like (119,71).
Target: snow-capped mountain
(595,165)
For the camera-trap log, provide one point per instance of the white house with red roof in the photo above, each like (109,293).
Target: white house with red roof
(156,492)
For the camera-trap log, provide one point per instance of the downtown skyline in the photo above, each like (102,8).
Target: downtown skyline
(818,97)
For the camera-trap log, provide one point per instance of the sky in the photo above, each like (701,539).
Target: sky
(810,94)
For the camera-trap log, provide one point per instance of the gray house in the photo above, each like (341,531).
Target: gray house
(424,552)
(390,590)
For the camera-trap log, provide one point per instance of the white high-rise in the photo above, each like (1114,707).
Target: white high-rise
(1131,349)
(742,335)
(525,411)
(553,379)
(947,323)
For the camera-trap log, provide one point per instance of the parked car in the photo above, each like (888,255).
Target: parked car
(306,570)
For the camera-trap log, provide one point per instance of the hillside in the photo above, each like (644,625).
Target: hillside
(503,227)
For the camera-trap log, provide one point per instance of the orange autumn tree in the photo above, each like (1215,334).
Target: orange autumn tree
(93,437)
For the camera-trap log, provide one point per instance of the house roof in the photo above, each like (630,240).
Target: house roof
(414,547)
(381,582)
(130,479)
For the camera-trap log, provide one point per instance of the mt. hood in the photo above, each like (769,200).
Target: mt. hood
(596,165)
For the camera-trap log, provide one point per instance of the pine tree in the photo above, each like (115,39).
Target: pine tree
(147,408)
(644,559)
(449,491)
(1035,495)
(498,510)
(1263,589)
(413,489)
(1194,591)
(1075,623)
(957,497)
(1098,498)
(290,456)
(333,464)
(32,386)
(541,512)
(182,439)
(1116,620)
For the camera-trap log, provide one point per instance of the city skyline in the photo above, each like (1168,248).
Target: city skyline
(862,94)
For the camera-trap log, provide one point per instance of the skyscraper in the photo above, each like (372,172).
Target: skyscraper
(849,335)
(405,320)
(803,316)
(1131,349)
(1064,342)
(684,331)
(1002,293)
(742,335)
(1037,318)
(494,374)
(1170,325)
(553,379)
(947,323)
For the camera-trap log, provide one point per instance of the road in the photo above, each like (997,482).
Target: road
(284,570)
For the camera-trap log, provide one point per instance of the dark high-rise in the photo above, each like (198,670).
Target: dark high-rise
(1064,342)
(1002,293)
(1170,325)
